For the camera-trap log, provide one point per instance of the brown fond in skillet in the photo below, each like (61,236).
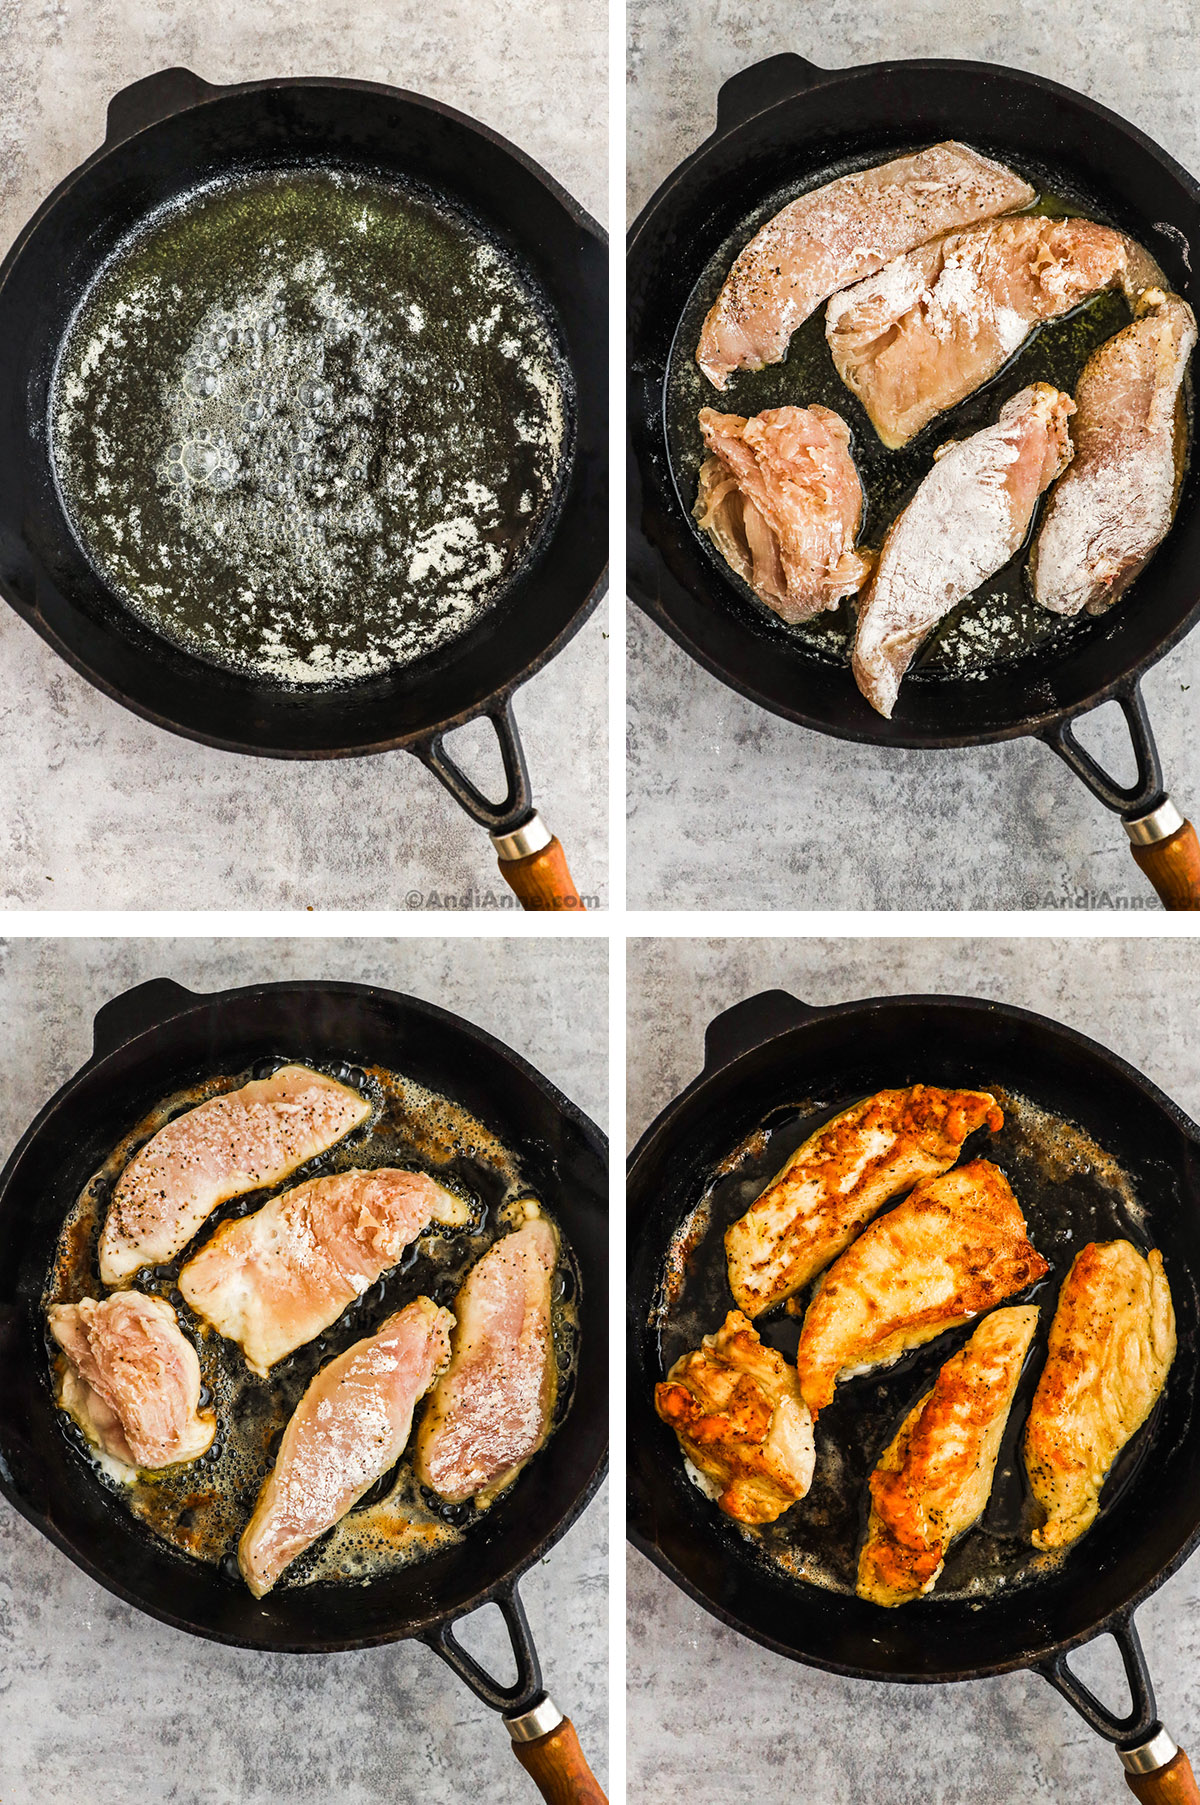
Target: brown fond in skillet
(201,1508)
(1071,1192)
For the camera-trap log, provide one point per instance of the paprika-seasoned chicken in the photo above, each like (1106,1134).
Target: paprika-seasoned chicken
(238,1142)
(781,501)
(736,1407)
(937,324)
(490,1411)
(1115,501)
(349,1428)
(966,520)
(955,1247)
(836,234)
(836,1181)
(935,1478)
(272,1280)
(132,1380)
(1112,1342)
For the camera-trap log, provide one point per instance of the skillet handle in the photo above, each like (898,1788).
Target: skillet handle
(1159,1772)
(1165,847)
(748,1023)
(1131,1731)
(753,90)
(533,864)
(154,98)
(558,1767)
(145,1006)
(498,817)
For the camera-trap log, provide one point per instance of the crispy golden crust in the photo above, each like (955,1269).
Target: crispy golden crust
(953,1249)
(1112,1342)
(935,1478)
(736,1407)
(839,1178)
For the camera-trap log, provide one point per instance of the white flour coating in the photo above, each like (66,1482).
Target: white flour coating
(354,543)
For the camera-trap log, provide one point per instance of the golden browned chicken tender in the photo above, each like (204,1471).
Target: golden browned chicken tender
(936,1476)
(781,501)
(736,1407)
(936,324)
(837,233)
(839,1178)
(1112,1342)
(955,1247)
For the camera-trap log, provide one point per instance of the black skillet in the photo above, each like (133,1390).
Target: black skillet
(772,1051)
(167,134)
(784,121)
(157,1039)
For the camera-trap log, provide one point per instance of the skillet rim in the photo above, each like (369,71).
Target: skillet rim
(665,1128)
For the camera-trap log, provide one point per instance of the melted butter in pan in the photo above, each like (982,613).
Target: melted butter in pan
(202,1508)
(1071,1191)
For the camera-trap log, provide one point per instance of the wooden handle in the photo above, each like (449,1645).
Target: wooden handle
(542,880)
(1173,867)
(1174,1784)
(560,1771)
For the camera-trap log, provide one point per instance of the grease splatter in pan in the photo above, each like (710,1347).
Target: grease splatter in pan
(1070,1190)
(310,424)
(201,1508)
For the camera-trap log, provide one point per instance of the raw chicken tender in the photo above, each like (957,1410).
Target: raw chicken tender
(132,1380)
(966,520)
(955,1247)
(835,235)
(836,1181)
(1116,500)
(240,1141)
(935,1478)
(937,324)
(348,1429)
(737,1410)
(272,1280)
(1112,1342)
(490,1412)
(781,501)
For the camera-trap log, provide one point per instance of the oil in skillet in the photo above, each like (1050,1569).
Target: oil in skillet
(1070,1190)
(1000,624)
(308,424)
(202,1508)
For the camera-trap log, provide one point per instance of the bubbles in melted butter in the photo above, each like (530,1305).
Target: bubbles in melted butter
(203,1507)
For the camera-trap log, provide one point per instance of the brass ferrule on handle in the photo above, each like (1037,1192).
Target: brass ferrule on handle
(538,1721)
(1152,1754)
(1160,824)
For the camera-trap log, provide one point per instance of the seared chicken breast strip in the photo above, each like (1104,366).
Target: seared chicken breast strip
(955,1247)
(273,1280)
(936,324)
(490,1411)
(781,501)
(737,1410)
(838,233)
(966,520)
(836,1181)
(1112,1342)
(241,1141)
(1115,501)
(349,1428)
(935,1478)
(131,1380)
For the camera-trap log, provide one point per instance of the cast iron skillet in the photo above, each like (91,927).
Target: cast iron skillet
(158,1038)
(165,135)
(772,1050)
(778,122)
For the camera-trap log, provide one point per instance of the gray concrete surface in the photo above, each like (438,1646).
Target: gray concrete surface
(90,794)
(732,808)
(713,1717)
(102,1706)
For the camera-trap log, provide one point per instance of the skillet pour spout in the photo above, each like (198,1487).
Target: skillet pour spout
(167,136)
(780,125)
(775,1064)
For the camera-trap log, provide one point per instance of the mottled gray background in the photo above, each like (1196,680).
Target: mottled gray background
(90,795)
(102,1706)
(732,808)
(715,1718)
